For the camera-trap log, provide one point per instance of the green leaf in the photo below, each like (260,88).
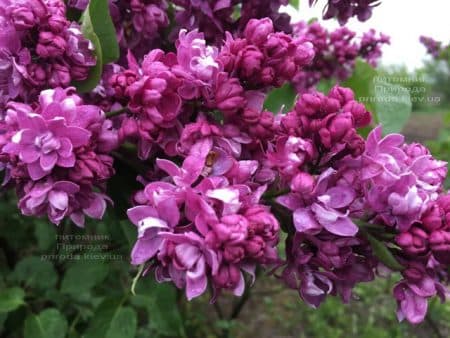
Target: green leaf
(45,234)
(129,230)
(281,99)
(4,269)
(112,320)
(81,276)
(36,273)
(124,324)
(295,3)
(95,73)
(160,303)
(392,106)
(11,299)
(3,317)
(362,83)
(325,85)
(97,18)
(97,26)
(49,323)
(383,253)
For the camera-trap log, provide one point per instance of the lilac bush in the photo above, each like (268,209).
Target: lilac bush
(222,176)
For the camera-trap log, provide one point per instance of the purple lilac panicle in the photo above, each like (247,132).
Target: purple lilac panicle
(343,10)
(57,155)
(40,48)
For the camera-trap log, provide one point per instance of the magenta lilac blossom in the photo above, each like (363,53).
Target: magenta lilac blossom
(184,109)
(343,10)
(40,48)
(57,155)
(336,52)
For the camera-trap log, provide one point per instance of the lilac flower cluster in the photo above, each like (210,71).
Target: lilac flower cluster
(434,47)
(402,185)
(343,10)
(316,156)
(206,214)
(222,176)
(263,57)
(40,48)
(214,18)
(139,23)
(234,155)
(336,52)
(56,154)
(143,25)
(383,190)
(161,92)
(199,227)
(204,220)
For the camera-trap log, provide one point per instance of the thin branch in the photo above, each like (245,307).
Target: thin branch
(135,165)
(136,278)
(277,193)
(216,304)
(116,112)
(240,304)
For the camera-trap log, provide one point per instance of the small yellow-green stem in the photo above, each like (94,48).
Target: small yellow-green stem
(136,278)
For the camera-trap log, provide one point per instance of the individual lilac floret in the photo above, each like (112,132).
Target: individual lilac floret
(413,292)
(324,206)
(197,64)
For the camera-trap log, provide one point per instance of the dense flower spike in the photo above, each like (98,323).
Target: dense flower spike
(57,155)
(211,231)
(434,47)
(40,48)
(140,24)
(385,184)
(343,10)
(214,18)
(263,57)
(336,52)
(222,175)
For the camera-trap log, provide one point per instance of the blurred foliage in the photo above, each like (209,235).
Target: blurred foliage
(64,281)
(429,86)
(440,147)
